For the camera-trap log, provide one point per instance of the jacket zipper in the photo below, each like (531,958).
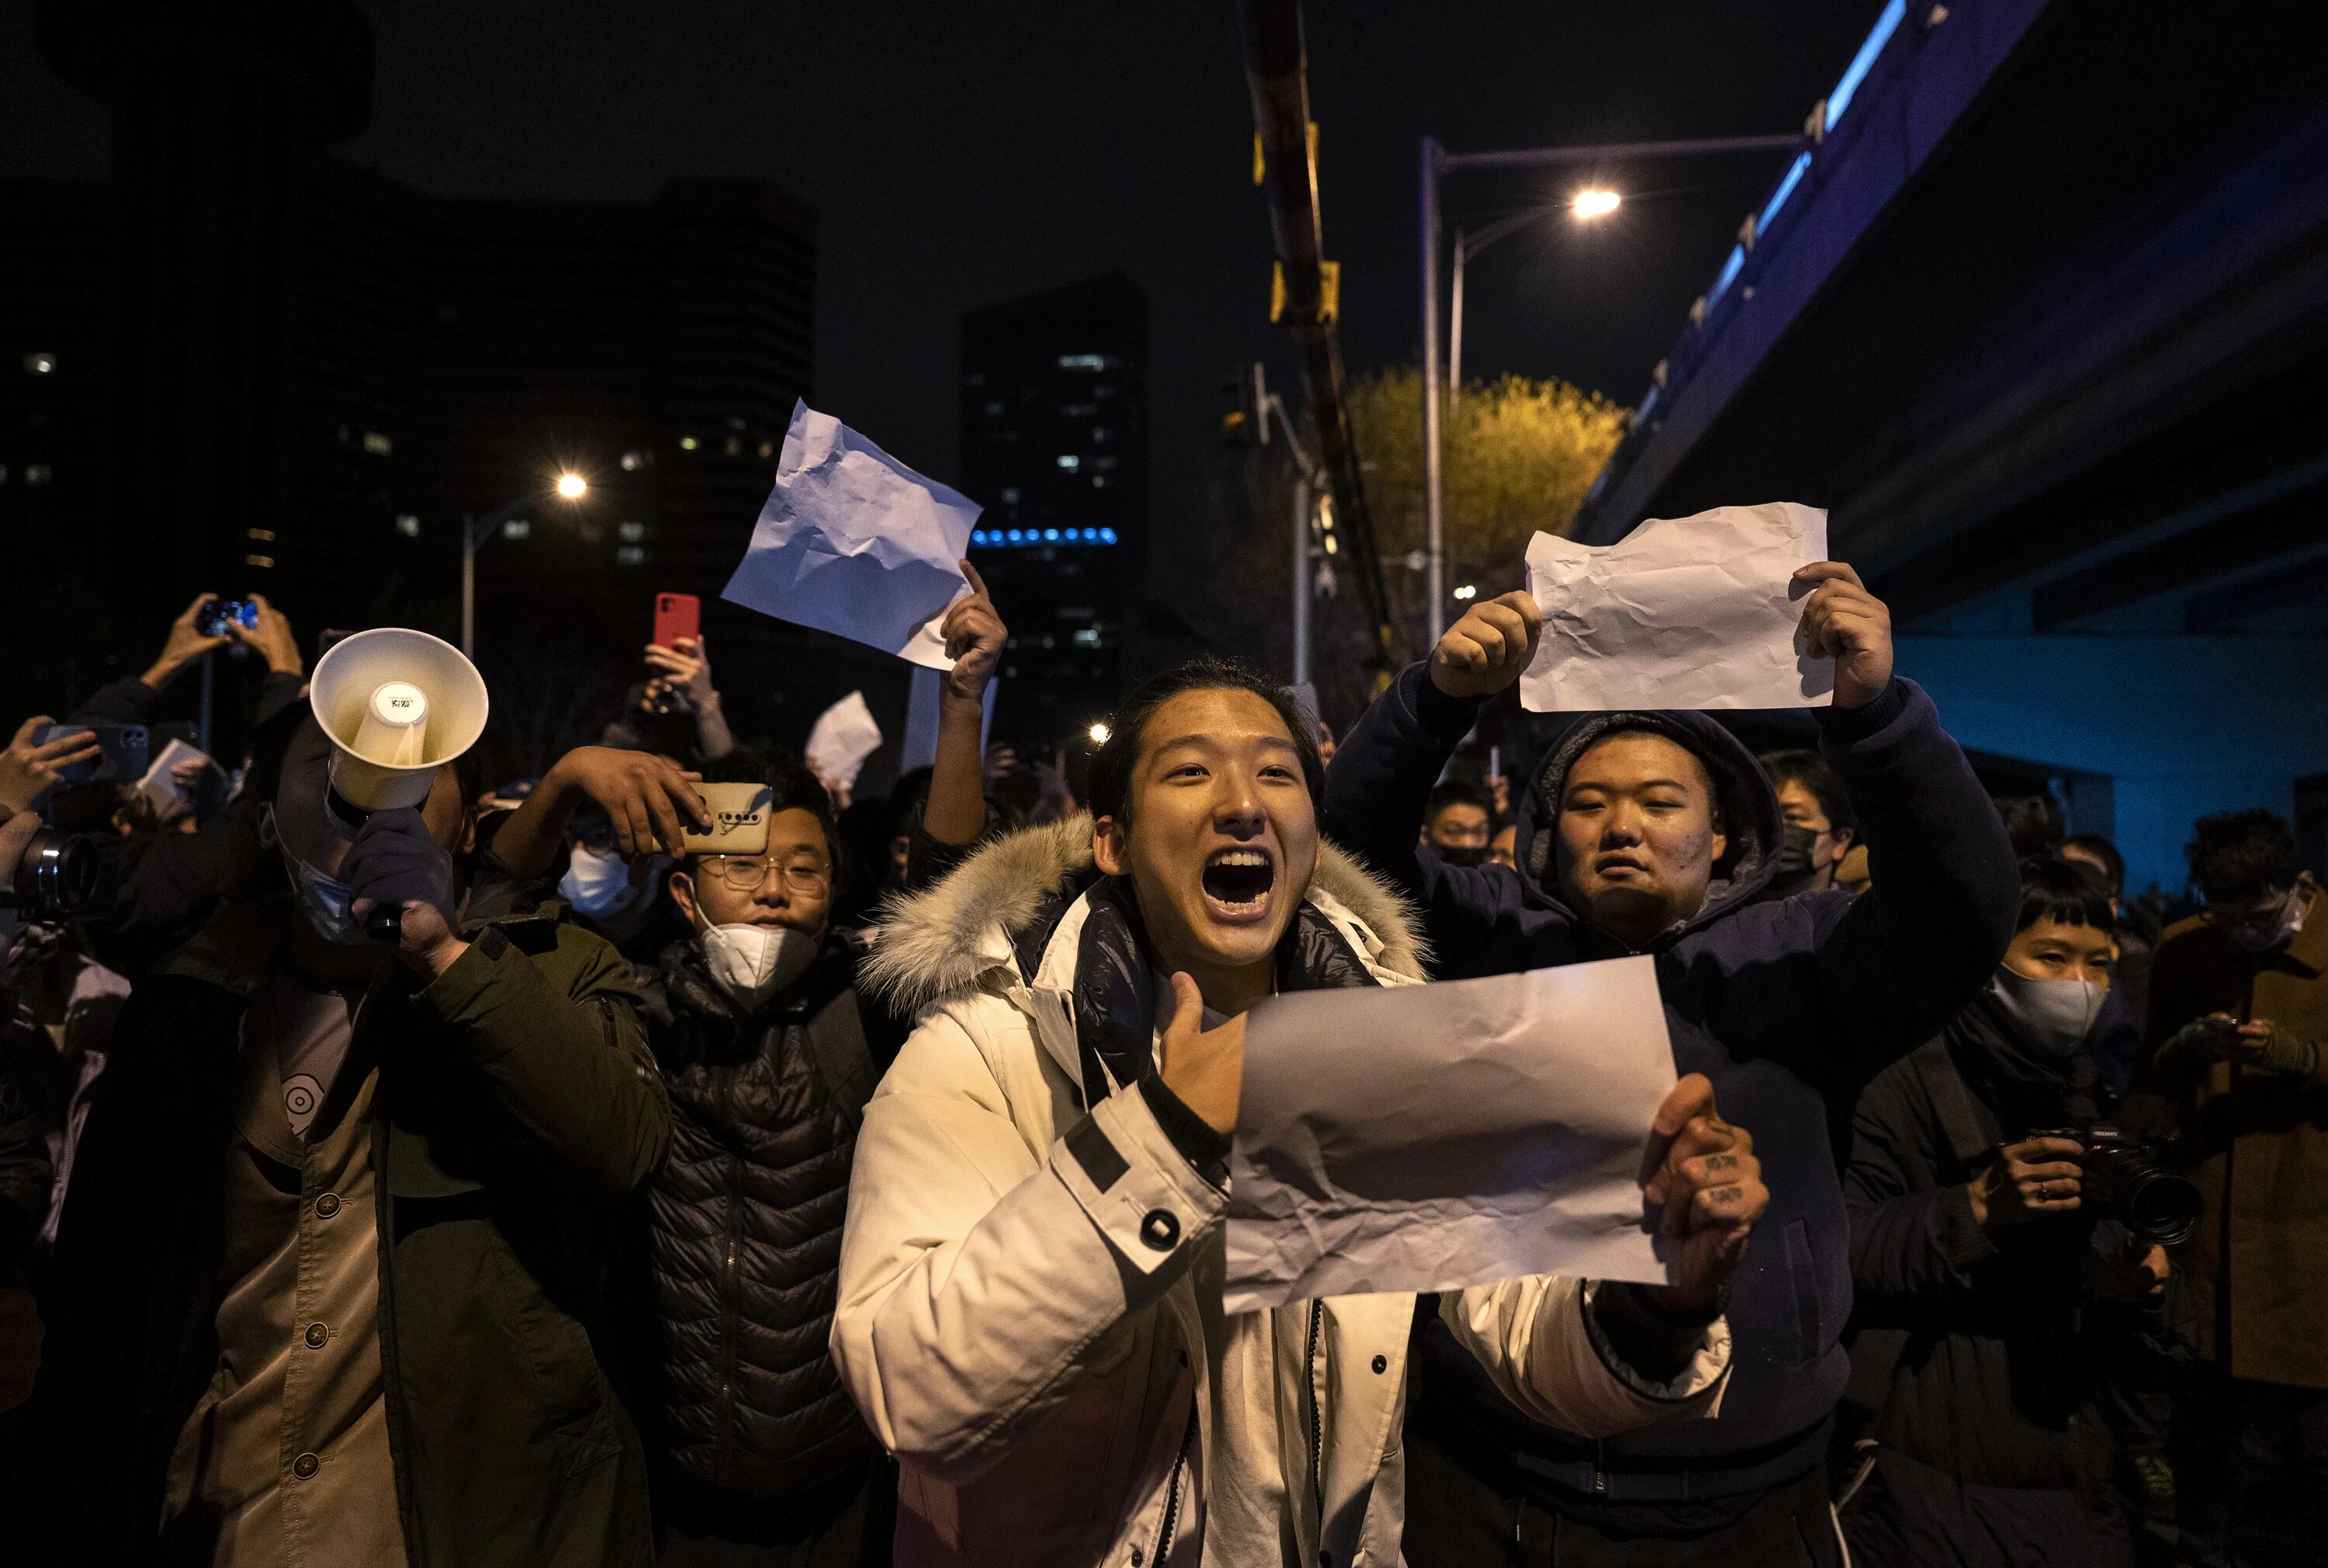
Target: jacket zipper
(728,1314)
(1599,1468)
(1317,1421)
(1172,1494)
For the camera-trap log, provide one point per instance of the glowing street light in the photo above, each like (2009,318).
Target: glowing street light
(1468,591)
(1099,734)
(573,486)
(1594,203)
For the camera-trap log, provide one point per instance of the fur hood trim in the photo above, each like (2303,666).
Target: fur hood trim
(940,942)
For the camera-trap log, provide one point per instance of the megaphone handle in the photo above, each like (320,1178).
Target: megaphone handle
(385,923)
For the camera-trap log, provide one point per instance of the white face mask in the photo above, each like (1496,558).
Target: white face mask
(2053,1016)
(2275,929)
(753,964)
(599,885)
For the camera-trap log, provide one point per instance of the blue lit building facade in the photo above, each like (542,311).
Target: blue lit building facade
(1054,445)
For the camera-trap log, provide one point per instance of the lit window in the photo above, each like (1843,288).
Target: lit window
(767,449)
(378,443)
(630,555)
(38,474)
(687,442)
(1069,460)
(259,560)
(634,460)
(629,532)
(1009,495)
(39,364)
(1084,361)
(408,525)
(734,447)
(1098,482)
(518,528)
(1101,433)
(264,535)
(1088,637)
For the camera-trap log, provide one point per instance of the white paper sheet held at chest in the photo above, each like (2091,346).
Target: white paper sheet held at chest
(1432,1137)
(852,541)
(1683,612)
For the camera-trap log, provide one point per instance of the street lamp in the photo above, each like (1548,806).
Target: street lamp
(1436,163)
(1584,207)
(475,530)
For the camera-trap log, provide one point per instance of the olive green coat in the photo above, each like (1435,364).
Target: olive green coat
(517,1101)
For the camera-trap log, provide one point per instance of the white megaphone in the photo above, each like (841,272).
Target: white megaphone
(396,705)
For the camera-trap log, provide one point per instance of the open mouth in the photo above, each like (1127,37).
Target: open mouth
(1237,883)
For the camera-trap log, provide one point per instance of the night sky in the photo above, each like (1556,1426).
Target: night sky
(955,159)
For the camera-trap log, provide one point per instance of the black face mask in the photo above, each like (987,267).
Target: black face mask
(1462,854)
(1793,862)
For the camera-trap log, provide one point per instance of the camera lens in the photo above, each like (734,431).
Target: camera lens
(57,877)
(2162,1206)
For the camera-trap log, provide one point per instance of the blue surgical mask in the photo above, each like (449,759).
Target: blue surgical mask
(600,885)
(322,900)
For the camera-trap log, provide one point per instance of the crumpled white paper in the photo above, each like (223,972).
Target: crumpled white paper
(852,541)
(1432,1137)
(842,737)
(1683,612)
(160,784)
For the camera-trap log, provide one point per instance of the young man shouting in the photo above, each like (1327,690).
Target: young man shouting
(1030,1279)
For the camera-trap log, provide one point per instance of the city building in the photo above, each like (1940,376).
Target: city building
(244,363)
(1054,445)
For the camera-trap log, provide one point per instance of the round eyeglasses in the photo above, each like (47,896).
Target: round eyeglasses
(744,872)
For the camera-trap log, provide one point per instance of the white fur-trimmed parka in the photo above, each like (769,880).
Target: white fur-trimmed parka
(1029,1310)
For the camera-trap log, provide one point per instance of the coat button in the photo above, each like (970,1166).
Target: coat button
(1382,1363)
(316,1335)
(1138,1557)
(305,1466)
(328,1206)
(1160,1229)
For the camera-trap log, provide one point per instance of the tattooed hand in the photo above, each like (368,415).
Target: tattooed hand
(1709,1191)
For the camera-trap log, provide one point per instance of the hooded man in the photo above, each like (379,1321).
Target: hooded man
(328,1274)
(1030,1310)
(1654,832)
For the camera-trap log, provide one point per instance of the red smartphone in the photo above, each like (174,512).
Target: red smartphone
(677,615)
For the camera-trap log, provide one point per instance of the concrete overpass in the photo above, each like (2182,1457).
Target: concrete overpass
(2044,321)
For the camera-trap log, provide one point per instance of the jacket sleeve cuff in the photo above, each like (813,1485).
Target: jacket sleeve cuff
(453,994)
(1444,717)
(1124,1170)
(1683,1361)
(1654,1340)
(1844,725)
(1206,1149)
(1963,1242)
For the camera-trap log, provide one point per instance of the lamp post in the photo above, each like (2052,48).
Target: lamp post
(475,530)
(1436,163)
(1585,206)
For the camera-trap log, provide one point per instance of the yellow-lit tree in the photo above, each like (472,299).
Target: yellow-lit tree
(1518,456)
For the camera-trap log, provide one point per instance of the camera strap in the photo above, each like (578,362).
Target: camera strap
(1969,1139)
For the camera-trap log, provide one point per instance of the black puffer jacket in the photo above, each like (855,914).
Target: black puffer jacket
(744,1222)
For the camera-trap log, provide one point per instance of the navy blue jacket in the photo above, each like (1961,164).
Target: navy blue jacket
(1789,1006)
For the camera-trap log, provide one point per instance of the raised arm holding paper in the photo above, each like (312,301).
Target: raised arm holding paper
(1650,831)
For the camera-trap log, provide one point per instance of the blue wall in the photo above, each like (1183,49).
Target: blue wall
(2183,726)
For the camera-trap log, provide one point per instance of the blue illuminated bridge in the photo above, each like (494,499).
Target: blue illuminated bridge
(2043,320)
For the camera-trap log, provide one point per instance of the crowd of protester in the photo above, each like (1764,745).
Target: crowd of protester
(857,1196)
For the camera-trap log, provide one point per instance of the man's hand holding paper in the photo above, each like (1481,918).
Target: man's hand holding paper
(1437,1137)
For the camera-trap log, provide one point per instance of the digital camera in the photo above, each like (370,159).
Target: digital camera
(2125,1178)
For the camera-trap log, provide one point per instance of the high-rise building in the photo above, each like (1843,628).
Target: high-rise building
(1055,444)
(242,362)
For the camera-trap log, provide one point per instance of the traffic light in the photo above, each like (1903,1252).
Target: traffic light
(1244,397)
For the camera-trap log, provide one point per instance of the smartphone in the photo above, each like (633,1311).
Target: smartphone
(677,615)
(740,814)
(121,751)
(217,615)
